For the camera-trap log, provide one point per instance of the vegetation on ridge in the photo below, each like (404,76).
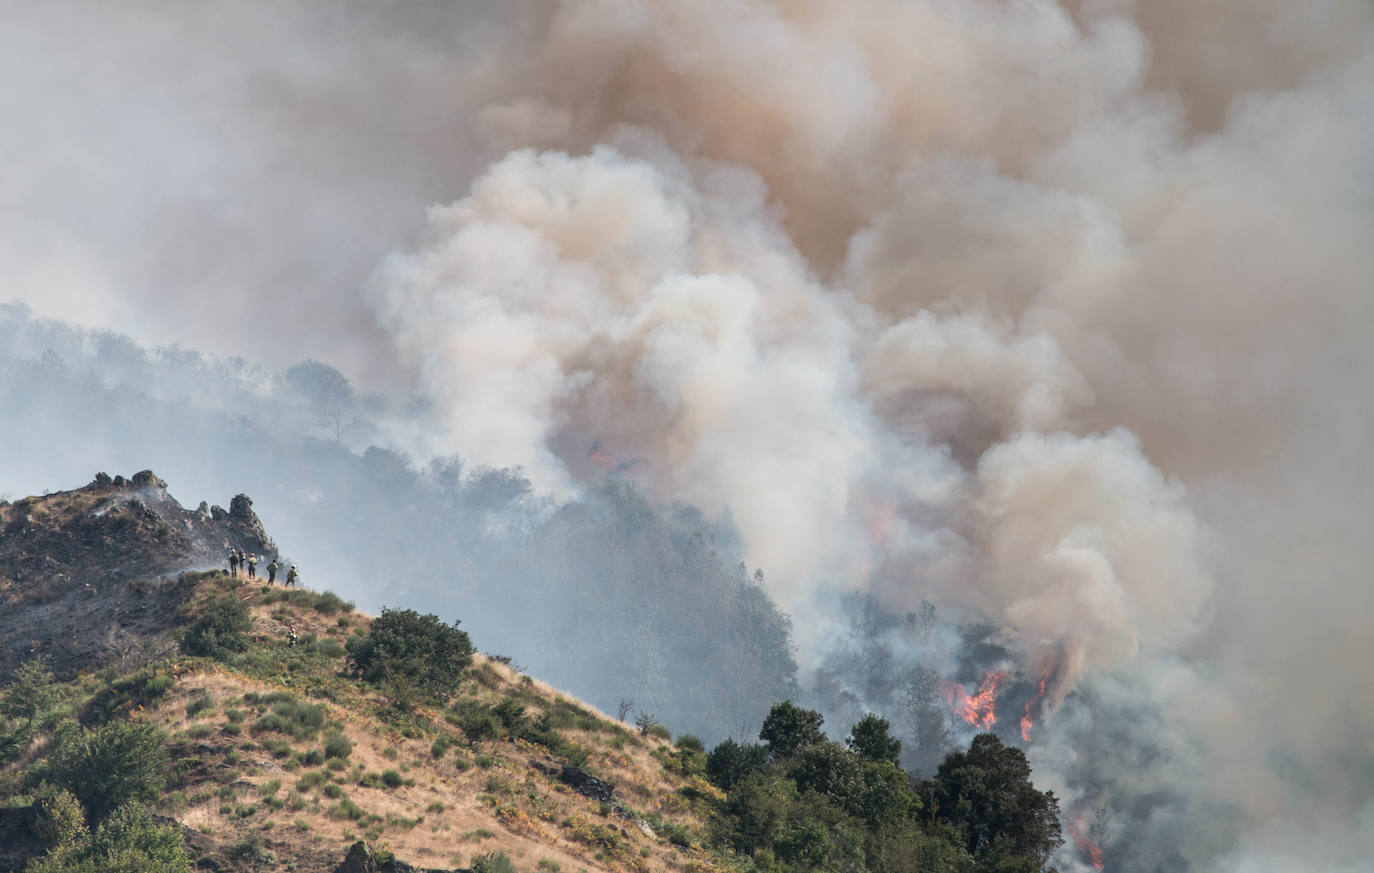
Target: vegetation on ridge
(262,751)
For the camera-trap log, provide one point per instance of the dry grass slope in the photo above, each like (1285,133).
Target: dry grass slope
(255,780)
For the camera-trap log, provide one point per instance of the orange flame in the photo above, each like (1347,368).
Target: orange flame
(882,519)
(980,709)
(1026,721)
(1078,831)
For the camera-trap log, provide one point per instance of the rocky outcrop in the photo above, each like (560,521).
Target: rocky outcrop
(586,784)
(361,859)
(83,572)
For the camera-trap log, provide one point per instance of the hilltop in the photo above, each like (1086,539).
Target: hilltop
(77,567)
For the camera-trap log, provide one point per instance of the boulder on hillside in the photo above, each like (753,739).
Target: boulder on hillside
(145,478)
(360,859)
(586,784)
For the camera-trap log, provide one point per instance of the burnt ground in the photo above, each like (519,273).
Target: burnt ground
(87,576)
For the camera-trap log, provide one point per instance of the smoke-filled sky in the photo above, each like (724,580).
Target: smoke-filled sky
(1056,312)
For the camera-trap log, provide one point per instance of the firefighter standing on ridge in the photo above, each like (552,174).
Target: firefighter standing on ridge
(272,572)
(291,576)
(252,566)
(233,562)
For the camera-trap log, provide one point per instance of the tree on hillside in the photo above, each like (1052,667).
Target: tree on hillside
(788,729)
(24,706)
(870,740)
(986,793)
(327,394)
(730,762)
(107,766)
(923,715)
(409,654)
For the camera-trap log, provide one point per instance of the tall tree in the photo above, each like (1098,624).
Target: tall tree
(788,729)
(987,794)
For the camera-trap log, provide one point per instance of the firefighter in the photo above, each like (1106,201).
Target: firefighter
(233,562)
(272,572)
(252,566)
(291,576)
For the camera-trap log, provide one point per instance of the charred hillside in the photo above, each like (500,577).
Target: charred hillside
(83,573)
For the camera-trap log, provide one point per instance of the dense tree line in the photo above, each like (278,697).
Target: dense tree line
(797,802)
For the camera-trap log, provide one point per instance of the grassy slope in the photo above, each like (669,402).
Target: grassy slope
(238,785)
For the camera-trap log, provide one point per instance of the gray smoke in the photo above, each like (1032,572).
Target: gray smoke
(1052,312)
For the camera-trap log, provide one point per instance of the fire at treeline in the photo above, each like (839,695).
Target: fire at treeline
(941,683)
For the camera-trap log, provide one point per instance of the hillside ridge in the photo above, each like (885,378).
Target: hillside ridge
(69,560)
(100,583)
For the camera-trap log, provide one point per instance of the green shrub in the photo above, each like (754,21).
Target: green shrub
(329,603)
(659,731)
(492,862)
(329,647)
(199,705)
(309,780)
(312,758)
(440,746)
(411,654)
(277,748)
(200,731)
(128,841)
(345,809)
(691,743)
(292,717)
(219,632)
(269,788)
(338,746)
(61,821)
(392,779)
(107,766)
(141,688)
(511,714)
(476,721)
(251,850)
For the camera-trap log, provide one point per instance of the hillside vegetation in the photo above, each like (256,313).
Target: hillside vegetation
(264,728)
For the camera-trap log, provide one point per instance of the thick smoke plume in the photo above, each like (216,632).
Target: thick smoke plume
(1055,313)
